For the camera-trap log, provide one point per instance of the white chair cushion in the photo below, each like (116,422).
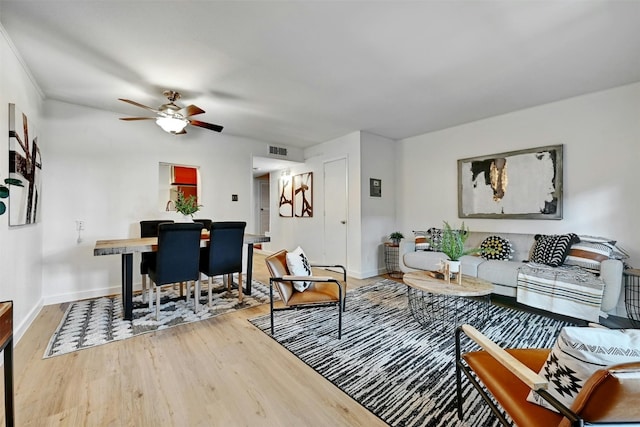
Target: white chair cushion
(298,265)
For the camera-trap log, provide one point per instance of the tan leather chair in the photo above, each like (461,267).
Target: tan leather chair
(325,290)
(610,397)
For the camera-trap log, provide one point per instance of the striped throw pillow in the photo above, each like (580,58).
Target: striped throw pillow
(422,240)
(588,255)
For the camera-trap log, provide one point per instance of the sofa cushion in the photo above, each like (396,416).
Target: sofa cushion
(578,353)
(424,260)
(588,255)
(552,249)
(500,272)
(495,247)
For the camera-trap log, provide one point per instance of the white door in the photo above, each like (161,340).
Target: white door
(335,212)
(264,206)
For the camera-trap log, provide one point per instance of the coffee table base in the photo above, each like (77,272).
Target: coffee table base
(447,311)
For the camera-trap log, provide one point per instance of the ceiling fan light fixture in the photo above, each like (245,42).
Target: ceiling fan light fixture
(172,124)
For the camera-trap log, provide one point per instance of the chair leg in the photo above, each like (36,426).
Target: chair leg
(157,302)
(196,297)
(340,320)
(144,288)
(229,281)
(150,297)
(209,285)
(271,304)
(239,286)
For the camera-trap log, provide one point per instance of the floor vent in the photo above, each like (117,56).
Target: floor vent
(280,151)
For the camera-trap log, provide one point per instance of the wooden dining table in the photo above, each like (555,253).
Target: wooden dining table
(127,247)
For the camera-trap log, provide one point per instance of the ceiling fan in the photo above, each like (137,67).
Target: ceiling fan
(170,117)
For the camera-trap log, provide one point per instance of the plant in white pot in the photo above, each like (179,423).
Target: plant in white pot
(452,245)
(187,206)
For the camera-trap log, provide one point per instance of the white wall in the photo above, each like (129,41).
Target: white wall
(104,171)
(378,213)
(20,247)
(601,137)
(369,221)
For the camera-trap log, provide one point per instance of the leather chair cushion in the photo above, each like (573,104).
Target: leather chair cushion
(508,390)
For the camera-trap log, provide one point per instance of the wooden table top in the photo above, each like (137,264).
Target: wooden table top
(149,244)
(428,282)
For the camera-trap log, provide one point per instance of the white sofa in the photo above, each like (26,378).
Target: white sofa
(504,274)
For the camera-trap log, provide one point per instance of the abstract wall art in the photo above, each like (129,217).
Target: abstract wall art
(303,195)
(524,184)
(25,167)
(285,204)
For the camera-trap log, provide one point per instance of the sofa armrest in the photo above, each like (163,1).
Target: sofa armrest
(406,246)
(611,275)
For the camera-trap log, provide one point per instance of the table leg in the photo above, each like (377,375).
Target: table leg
(127,285)
(9,412)
(249,267)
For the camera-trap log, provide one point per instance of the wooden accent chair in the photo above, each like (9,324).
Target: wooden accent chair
(324,290)
(177,259)
(610,397)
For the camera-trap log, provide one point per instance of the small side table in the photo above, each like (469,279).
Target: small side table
(391,260)
(632,294)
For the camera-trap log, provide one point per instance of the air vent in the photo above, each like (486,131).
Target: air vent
(280,151)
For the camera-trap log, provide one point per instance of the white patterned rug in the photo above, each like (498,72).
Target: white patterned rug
(97,321)
(399,370)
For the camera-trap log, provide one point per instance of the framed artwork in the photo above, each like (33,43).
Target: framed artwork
(524,184)
(375,187)
(25,167)
(285,205)
(303,195)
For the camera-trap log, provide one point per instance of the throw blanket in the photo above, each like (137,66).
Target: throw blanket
(566,290)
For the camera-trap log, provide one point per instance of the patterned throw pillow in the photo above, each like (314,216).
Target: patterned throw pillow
(495,247)
(435,239)
(578,353)
(588,255)
(422,240)
(298,265)
(552,249)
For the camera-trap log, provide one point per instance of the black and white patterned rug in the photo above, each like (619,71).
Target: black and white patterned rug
(400,371)
(97,321)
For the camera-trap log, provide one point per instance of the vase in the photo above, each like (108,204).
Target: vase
(186,218)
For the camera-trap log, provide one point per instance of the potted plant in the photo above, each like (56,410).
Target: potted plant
(453,245)
(395,237)
(187,206)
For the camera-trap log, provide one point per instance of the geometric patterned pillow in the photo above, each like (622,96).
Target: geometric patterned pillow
(578,353)
(435,239)
(552,249)
(298,265)
(588,255)
(495,247)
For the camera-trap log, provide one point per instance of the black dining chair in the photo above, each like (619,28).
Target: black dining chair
(205,222)
(177,259)
(223,255)
(148,228)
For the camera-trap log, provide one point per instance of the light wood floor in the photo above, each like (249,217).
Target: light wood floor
(218,372)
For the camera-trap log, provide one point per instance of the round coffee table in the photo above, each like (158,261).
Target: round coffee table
(436,303)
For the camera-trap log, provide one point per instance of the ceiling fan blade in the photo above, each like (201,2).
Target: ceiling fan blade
(137,118)
(137,104)
(190,110)
(206,125)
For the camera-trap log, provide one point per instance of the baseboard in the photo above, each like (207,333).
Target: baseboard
(75,296)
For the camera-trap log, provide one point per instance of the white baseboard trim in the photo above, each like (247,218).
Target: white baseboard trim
(75,296)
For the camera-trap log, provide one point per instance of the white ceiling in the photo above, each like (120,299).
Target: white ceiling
(302,72)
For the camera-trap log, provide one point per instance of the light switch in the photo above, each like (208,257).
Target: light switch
(234,197)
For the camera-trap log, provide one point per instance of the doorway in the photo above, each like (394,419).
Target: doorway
(335,212)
